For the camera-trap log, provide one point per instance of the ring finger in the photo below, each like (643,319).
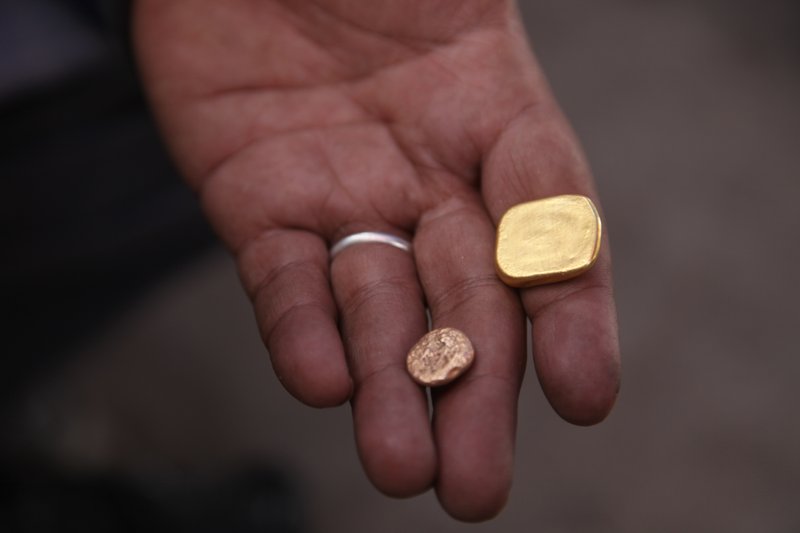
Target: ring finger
(383,314)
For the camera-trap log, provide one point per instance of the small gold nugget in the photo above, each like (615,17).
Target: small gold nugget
(440,357)
(547,240)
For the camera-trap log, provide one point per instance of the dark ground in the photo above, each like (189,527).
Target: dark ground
(689,113)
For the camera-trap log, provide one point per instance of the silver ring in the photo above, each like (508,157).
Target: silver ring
(367,237)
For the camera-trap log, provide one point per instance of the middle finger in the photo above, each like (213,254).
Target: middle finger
(475,417)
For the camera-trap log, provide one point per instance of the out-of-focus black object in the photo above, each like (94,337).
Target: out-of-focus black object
(91,209)
(44,501)
(91,212)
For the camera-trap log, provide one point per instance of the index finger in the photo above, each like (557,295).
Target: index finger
(574,326)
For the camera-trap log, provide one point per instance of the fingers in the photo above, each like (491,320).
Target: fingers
(575,344)
(382,316)
(285,272)
(475,417)
(576,348)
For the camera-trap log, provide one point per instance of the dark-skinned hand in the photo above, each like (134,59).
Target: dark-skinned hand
(299,122)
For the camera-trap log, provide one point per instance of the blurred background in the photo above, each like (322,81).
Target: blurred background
(135,389)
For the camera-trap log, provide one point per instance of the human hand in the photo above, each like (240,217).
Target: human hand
(301,122)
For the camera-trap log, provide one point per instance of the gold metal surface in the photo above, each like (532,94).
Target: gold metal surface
(547,240)
(440,357)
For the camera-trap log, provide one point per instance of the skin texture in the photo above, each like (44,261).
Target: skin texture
(301,122)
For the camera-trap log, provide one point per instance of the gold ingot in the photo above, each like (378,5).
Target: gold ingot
(547,240)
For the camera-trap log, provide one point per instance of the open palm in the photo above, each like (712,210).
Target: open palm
(301,122)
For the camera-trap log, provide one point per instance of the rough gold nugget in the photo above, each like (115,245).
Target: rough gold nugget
(440,357)
(547,240)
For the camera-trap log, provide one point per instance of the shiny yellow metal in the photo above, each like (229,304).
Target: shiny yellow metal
(547,240)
